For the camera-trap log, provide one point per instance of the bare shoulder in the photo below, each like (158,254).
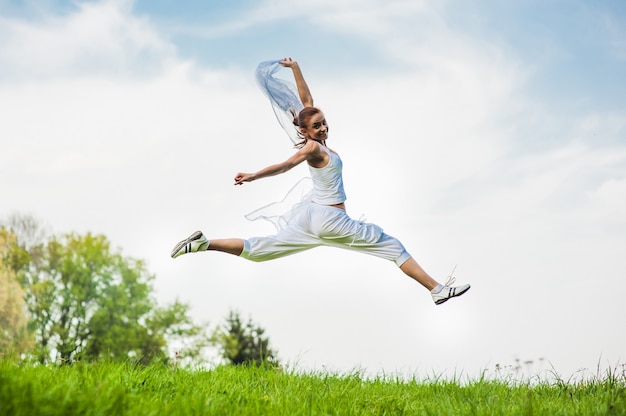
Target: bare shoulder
(311,146)
(308,148)
(315,155)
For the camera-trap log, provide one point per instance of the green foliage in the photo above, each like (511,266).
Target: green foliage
(176,326)
(244,343)
(15,338)
(88,302)
(114,389)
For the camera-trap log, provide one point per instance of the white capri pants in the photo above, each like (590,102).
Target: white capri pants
(323,225)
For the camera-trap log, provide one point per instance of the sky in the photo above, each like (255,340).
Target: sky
(487,136)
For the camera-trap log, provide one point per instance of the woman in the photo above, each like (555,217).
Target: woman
(323,221)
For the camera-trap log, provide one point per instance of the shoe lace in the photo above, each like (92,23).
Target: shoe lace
(451,279)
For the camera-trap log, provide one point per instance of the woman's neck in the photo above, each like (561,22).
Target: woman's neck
(322,142)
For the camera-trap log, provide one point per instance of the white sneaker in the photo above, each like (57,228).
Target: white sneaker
(195,242)
(448,292)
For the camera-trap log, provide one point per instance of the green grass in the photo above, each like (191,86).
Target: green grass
(126,389)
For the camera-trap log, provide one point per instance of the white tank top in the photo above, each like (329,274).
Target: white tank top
(328,181)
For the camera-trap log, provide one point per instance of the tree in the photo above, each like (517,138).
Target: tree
(15,338)
(244,344)
(87,302)
(186,337)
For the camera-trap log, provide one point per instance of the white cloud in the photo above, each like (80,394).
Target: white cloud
(371,19)
(98,38)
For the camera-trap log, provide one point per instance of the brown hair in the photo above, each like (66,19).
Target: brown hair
(301,121)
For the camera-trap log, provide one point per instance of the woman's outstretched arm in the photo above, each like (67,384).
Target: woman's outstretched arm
(309,151)
(303,88)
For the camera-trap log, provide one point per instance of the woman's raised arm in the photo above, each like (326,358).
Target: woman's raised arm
(303,88)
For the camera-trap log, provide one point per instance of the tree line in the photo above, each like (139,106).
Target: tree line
(73,298)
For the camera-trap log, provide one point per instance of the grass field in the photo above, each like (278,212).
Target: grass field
(126,389)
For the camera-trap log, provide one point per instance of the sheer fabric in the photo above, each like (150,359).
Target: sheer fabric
(286,105)
(282,95)
(280,213)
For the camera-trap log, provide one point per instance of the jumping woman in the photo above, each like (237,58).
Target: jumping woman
(322,221)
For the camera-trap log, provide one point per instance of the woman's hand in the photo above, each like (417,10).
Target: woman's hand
(240,178)
(288,63)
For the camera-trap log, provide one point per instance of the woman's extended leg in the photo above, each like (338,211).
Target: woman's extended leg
(440,293)
(198,242)
(288,241)
(227,245)
(415,271)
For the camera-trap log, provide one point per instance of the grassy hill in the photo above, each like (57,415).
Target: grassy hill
(126,389)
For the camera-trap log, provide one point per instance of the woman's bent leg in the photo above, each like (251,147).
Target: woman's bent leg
(338,229)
